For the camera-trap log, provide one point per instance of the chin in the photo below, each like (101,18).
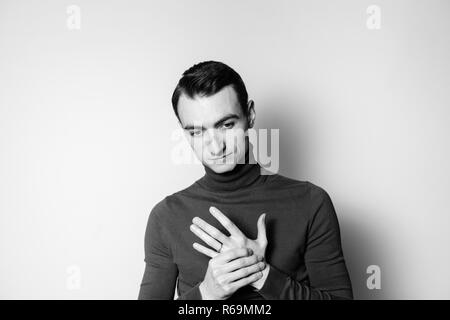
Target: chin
(221,168)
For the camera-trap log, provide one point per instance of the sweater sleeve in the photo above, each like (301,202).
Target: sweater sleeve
(327,273)
(192,294)
(161,273)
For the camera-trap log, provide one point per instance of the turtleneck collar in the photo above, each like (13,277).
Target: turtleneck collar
(243,175)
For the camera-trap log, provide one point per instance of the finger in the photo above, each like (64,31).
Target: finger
(232,254)
(212,231)
(245,272)
(206,251)
(246,281)
(225,221)
(262,236)
(206,237)
(239,263)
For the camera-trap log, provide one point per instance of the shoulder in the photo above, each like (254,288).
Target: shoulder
(322,210)
(312,196)
(307,188)
(165,207)
(318,194)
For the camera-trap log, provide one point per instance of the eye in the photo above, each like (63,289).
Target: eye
(229,125)
(196,133)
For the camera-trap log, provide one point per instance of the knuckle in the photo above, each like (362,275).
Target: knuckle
(240,239)
(232,254)
(221,281)
(212,263)
(249,261)
(214,233)
(243,251)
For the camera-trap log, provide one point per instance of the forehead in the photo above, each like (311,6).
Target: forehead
(208,110)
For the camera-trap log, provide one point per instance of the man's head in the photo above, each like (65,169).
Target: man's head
(212,106)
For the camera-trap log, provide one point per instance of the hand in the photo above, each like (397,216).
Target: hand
(221,243)
(229,271)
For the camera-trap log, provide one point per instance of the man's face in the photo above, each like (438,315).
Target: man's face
(216,128)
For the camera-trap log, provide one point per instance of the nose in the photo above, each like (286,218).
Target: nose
(216,144)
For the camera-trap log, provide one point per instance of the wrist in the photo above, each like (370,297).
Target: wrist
(204,292)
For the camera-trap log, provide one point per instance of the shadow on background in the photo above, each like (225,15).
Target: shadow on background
(359,253)
(296,142)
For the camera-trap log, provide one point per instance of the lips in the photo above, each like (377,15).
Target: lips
(215,159)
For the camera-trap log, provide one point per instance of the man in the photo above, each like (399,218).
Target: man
(236,233)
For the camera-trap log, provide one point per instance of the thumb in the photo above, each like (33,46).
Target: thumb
(262,228)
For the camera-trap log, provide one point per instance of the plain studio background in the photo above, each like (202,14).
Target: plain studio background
(86,126)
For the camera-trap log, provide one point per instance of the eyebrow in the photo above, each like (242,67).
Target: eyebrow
(218,123)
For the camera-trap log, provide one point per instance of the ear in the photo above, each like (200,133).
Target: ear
(251,113)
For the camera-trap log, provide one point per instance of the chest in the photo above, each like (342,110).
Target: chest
(286,229)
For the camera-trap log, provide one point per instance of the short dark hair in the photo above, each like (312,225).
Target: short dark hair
(207,78)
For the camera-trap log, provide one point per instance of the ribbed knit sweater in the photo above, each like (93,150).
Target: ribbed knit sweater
(304,244)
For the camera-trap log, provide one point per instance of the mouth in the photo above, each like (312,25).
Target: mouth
(215,159)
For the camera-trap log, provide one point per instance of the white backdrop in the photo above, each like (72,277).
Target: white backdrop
(86,124)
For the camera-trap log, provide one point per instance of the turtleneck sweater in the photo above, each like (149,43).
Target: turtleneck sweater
(304,249)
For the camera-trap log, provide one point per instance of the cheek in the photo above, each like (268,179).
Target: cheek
(235,142)
(197,146)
